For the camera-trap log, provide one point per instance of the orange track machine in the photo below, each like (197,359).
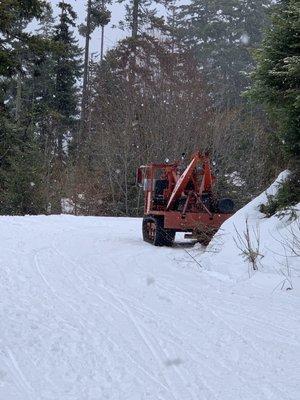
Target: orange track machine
(181,199)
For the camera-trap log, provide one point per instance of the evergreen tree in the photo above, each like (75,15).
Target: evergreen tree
(15,15)
(61,100)
(141,17)
(97,15)
(39,107)
(67,69)
(20,175)
(222,33)
(276,80)
(52,100)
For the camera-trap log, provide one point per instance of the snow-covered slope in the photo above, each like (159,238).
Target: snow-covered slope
(91,312)
(277,263)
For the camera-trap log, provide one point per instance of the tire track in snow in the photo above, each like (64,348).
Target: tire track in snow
(135,323)
(127,315)
(140,327)
(23,381)
(279,337)
(216,317)
(179,334)
(162,351)
(122,305)
(212,311)
(223,364)
(119,310)
(142,334)
(76,312)
(199,378)
(177,369)
(219,361)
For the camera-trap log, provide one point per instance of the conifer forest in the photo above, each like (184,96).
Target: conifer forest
(220,76)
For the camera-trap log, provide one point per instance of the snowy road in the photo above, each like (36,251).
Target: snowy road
(91,312)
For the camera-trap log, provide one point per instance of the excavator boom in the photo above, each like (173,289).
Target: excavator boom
(185,178)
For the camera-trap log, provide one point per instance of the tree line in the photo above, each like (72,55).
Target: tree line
(211,75)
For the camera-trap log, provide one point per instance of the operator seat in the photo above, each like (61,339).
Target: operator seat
(160,186)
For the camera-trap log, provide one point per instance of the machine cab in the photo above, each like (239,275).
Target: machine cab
(157,181)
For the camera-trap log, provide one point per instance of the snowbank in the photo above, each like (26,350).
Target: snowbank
(275,237)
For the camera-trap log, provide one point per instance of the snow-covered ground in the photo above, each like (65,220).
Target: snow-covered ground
(91,312)
(276,239)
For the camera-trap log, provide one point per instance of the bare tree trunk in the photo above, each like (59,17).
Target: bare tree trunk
(173,9)
(59,130)
(135,12)
(134,35)
(102,35)
(18,97)
(102,42)
(86,67)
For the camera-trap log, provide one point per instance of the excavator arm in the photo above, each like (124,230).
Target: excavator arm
(186,176)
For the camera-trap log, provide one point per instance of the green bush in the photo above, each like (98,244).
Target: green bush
(287,196)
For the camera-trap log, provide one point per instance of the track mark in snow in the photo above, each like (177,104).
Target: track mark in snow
(27,389)
(126,312)
(246,340)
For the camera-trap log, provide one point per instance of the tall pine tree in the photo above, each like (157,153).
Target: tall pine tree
(20,174)
(65,100)
(97,15)
(276,80)
(52,93)
(222,35)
